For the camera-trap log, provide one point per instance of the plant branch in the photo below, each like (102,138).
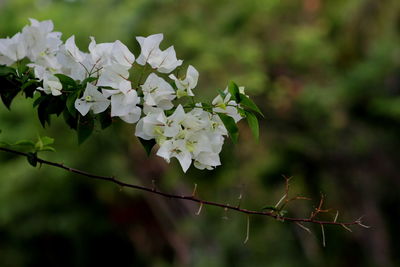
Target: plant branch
(191,197)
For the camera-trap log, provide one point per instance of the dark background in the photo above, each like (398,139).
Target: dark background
(325,73)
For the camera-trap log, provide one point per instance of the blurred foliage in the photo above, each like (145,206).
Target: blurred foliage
(327,76)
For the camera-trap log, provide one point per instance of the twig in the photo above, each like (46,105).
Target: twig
(192,198)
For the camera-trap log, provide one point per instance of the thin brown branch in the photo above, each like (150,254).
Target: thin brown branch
(191,197)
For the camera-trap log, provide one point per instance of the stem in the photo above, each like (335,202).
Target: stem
(192,198)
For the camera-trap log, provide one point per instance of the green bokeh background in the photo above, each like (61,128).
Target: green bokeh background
(325,73)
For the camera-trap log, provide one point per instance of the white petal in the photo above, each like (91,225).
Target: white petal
(82,106)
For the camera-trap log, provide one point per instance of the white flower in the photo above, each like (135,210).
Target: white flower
(152,125)
(92,100)
(115,76)
(110,53)
(148,45)
(124,105)
(12,49)
(51,85)
(226,106)
(40,39)
(73,50)
(176,149)
(157,92)
(164,61)
(207,160)
(186,85)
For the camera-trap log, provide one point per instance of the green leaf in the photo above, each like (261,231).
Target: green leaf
(253,124)
(30,86)
(47,140)
(89,80)
(25,143)
(70,103)
(270,208)
(248,103)
(71,120)
(221,93)
(66,81)
(230,126)
(32,159)
(9,89)
(85,127)
(234,90)
(5,71)
(48,148)
(105,119)
(147,145)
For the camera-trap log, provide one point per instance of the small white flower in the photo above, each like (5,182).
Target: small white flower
(110,53)
(176,149)
(92,100)
(73,50)
(164,61)
(51,85)
(157,92)
(124,105)
(226,106)
(115,76)
(186,85)
(149,46)
(12,49)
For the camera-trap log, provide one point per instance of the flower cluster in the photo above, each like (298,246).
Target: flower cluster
(192,132)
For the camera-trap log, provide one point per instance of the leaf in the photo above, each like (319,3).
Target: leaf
(5,71)
(230,126)
(70,103)
(248,103)
(105,119)
(221,93)
(9,89)
(253,124)
(85,127)
(71,120)
(234,90)
(47,140)
(32,159)
(270,208)
(47,148)
(66,81)
(30,87)
(147,145)
(25,143)
(89,80)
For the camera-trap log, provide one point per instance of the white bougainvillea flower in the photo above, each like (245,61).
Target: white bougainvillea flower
(92,100)
(164,61)
(176,149)
(186,85)
(157,92)
(124,105)
(73,50)
(115,76)
(226,106)
(51,85)
(152,125)
(173,124)
(110,53)
(148,45)
(12,49)
(207,160)
(40,39)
